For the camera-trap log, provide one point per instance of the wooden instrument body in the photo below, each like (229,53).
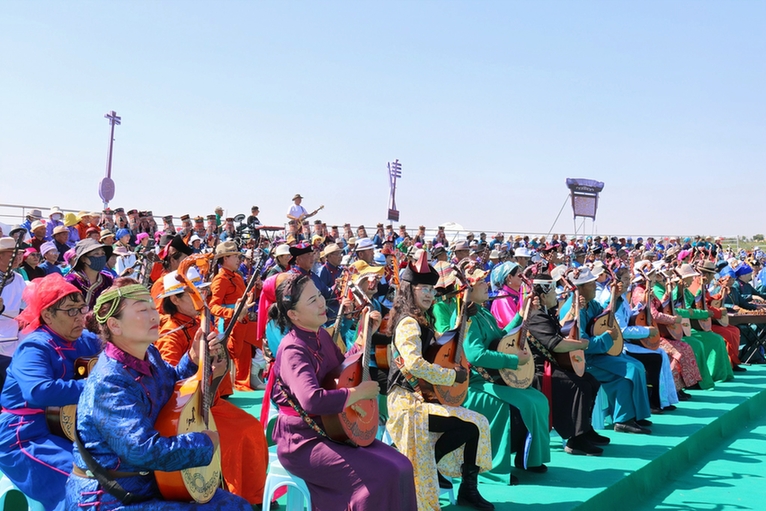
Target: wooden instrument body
(718,304)
(61,419)
(603,323)
(381,356)
(511,344)
(350,425)
(676,331)
(444,353)
(571,361)
(645,319)
(183,413)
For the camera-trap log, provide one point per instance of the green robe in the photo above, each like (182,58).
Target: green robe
(443,311)
(492,400)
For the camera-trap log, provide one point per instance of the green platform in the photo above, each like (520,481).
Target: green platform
(674,468)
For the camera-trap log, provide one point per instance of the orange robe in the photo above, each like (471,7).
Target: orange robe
(244,452)
(228,287)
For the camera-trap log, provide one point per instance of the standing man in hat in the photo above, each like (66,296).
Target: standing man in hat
(89,274)
(296,211)
(226,291)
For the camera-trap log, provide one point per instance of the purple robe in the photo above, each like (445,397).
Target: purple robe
(339,477)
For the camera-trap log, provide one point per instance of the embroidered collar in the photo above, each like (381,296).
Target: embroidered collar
(142,366)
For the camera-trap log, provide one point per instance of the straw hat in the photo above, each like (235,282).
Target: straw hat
(226,248)
(686,270)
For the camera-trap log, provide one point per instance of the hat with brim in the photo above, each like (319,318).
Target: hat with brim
(105,234)
(7,243)
(597,269)
(172,286)
(364,244)
(364,270)
(226,248)
(581,276)
(643,269)
(86,246)
(686,271)
(282,250)
(54,210)
(297,196)
(707,266)
(436,252)
(36,225)
(330,249)
(35,213)
(446,274)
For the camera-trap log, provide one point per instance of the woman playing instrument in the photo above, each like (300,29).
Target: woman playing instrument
(244,453)
(455,439)
(338,475)
(661,388)
(42,374)
(622,377)
(506,281)
(518,417)
(571,397)
(686,373)
(119,406)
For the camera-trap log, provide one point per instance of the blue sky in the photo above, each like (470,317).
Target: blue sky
(489,106)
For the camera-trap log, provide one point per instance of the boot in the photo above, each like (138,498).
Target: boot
(468,494)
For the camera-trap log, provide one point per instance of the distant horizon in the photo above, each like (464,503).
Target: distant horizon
(489,106)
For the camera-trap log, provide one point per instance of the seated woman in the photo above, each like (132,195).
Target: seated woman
(244,453)
(495,400)
(572,397)
(506,280)
(118,408)
(338,476)
(42,374)
(455,439)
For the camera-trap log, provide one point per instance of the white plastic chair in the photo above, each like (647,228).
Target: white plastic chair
(278,476)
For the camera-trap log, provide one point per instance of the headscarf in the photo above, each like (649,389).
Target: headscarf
(115,295)
(500,273)
(743,269)
(39,295)
(268,297)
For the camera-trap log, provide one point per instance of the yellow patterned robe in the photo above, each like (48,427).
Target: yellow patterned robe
(408,420)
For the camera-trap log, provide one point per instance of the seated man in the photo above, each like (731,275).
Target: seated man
(244,453)
(42,374)
(622,377)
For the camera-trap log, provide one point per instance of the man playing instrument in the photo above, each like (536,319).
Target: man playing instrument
(244,453)
(296,211)
(42,374)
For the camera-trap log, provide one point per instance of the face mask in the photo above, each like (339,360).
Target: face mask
(56,217)
(97,263)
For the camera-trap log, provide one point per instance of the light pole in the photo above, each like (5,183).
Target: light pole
(106,186)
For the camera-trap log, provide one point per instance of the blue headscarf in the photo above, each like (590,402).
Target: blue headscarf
(727,272)
(499,274)
(122,232)
(743,270)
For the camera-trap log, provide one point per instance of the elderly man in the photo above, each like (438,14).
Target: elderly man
(365,251)
(89,273)
(331,268)
(33,216)
(38,231)
(42,375)
(61,240)
(55,218)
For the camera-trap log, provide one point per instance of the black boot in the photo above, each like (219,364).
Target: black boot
(468,494)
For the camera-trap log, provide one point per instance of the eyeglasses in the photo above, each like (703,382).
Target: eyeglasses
(76,311)
(426,290)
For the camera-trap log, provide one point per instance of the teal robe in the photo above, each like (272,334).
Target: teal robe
(492,400)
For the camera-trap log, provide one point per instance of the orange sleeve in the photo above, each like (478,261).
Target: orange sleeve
(173,346)
(219,289)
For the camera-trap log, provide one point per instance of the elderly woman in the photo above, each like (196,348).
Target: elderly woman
(88,273)
(338,476)
(29,268)
(118,408)
(506,281)
(41,375)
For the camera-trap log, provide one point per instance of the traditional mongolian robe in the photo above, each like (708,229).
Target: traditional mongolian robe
(339,477)
(90,290)
(622,377)
(244,452)
(115,419)
(493,399)
(408,416)
(505,309)
(41,374)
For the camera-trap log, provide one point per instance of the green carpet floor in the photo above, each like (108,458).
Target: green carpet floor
(640,472)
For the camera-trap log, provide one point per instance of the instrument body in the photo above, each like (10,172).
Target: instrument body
(675,330)
(357,424)
(573,360)
(513,344)
(605,321)
(61,419)
(447,352)
(718,304)
(644,318)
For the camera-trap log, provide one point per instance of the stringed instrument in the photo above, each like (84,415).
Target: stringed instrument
(301,218)
(605,321)
(645,319)
(676,330)
(512,344)
(188,409)
(61,419)
(718,303)
(573,360)
(334,330)
(358,424)
(686,324)
(706,325)
(447,352)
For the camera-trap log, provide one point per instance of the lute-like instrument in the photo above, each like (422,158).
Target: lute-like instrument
(61,419)
(605,321)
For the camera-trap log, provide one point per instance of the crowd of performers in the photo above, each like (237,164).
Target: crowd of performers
(467,354)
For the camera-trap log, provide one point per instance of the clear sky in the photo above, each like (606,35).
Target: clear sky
(488,105)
